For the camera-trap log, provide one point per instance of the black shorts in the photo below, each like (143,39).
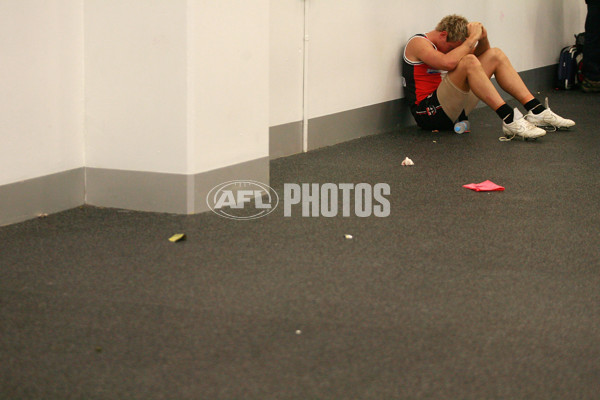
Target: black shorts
(429,114)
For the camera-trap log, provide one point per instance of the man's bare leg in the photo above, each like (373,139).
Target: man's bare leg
(496,63)
(474,73)
(470,75)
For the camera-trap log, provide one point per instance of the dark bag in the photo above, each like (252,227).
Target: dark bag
(570,63)
(567,68)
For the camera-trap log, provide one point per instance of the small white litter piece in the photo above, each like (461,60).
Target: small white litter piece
(407,161)
(348,236)
(298,332)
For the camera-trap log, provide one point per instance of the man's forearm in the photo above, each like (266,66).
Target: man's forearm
(454,56)
(482,47)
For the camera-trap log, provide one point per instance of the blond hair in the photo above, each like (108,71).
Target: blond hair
(456,26)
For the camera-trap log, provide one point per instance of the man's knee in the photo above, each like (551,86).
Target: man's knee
(469,62)
(496,54)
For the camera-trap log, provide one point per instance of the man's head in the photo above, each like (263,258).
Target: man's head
(455,26)
(453,29)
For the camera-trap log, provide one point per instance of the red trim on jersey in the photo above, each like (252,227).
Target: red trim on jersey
(427,80)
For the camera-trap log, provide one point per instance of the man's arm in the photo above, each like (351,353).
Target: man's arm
(438,60)
(423,51)
(483,44)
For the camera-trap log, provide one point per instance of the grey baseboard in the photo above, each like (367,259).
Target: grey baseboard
(285,140)
(168,193)
(540,79)
(136,190)
(364,121)
(132,190)
(28,199)
(255,170)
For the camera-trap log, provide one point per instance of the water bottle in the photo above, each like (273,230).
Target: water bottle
(462,126)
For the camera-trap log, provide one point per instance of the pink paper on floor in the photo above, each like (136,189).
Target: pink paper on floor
(485,186)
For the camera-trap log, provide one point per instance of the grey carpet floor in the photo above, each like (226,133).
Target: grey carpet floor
(455,295)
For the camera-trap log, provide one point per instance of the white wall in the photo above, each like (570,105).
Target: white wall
(136,85)
(176,86)
(354,47)
(228,49)
(41,81)
(286,61)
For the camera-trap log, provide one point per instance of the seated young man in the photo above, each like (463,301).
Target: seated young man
(463,49)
